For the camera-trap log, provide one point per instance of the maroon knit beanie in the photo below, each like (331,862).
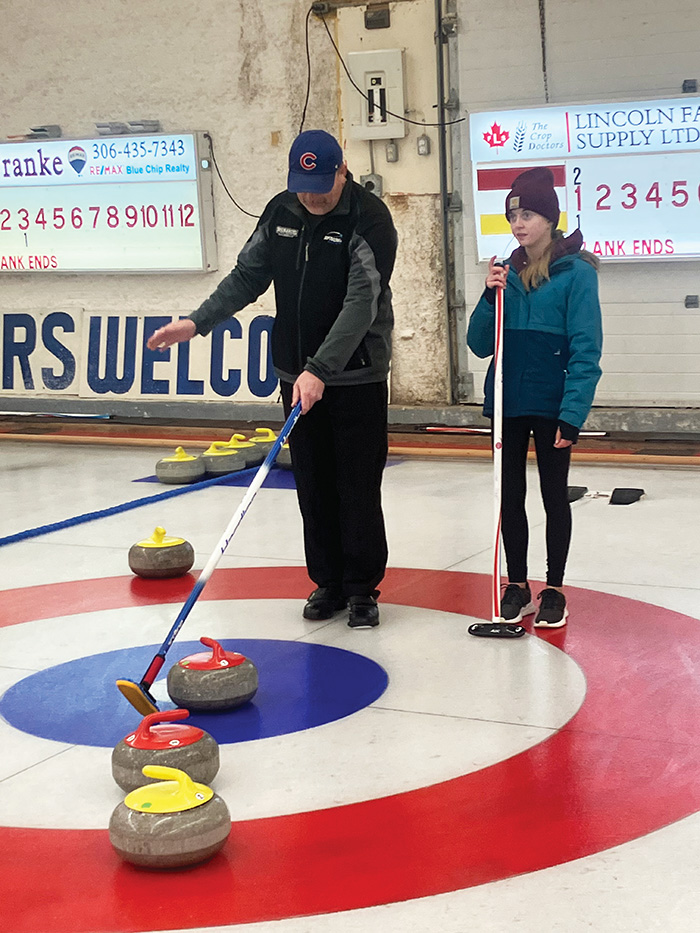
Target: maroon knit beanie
(533,190)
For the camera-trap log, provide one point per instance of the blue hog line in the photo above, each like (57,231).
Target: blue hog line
(112,510)
(21,349)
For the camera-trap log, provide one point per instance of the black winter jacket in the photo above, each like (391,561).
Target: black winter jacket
(331,276)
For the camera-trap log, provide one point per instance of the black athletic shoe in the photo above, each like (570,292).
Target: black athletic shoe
(553,611)
(516,602)
(323,604)
(364,611)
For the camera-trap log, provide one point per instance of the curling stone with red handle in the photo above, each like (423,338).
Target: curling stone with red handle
(161,739)
(215,680)
(171,824)
(180,468)
(161,555)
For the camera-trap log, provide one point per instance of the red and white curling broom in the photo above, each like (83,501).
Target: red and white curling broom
(497,628)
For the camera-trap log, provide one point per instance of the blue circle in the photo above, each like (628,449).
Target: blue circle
(300,686)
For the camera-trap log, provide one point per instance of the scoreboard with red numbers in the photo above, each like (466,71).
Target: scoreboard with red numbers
(627,174)
(112,204)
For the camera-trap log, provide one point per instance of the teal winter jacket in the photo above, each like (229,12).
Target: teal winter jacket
(552,342)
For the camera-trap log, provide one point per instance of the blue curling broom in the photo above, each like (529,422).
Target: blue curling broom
(138,694)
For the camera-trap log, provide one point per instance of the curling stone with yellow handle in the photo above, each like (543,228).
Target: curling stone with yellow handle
(161,555)
(264,439)
(161,739)
(171,824)
(180,468)
(214,680)
(219,459)
(254,456)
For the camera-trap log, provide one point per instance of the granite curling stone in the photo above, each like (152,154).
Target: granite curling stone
(264,440)
(219,459)
(171,824)
(212,681)
(162,740)
(180,469)
(253,455)
(161,556)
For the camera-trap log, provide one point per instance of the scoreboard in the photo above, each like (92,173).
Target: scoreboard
(627,174)
(112,204)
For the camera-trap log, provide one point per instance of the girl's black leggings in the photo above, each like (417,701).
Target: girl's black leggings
(553,467)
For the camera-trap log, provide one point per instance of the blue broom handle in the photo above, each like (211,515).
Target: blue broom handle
(236,519)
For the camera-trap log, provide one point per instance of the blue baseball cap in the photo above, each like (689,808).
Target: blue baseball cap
(314,159)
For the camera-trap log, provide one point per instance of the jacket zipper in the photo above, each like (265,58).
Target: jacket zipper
(305,245)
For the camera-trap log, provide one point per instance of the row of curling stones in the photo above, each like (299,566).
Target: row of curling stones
(221,458)
(170,824)
(161,555)
(182,821)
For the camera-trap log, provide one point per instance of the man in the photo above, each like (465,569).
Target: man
(328,245)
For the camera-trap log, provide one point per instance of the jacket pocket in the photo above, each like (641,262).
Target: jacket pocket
(360,358)
(543,389)
(545,370)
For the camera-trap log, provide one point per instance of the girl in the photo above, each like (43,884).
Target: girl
(551,365)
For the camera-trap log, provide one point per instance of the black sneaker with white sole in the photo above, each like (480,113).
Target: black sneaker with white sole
(516,602)
(553,611)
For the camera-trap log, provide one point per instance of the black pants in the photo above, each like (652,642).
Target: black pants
(339,450)
(553,467)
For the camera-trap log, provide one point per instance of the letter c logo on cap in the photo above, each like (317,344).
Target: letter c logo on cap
(308,161)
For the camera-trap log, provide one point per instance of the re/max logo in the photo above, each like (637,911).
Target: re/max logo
(27,167)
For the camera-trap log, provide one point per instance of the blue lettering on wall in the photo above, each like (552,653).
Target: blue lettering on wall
(230,384)
(110,382)
(19,349)
(185,385)
(258,386)
(49,377)
(149,385)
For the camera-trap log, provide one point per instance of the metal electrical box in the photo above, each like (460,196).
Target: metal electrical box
(380,76)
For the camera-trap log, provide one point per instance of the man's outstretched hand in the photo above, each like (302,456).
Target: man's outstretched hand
(175,332)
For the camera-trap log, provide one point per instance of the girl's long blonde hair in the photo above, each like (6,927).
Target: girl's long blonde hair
(534,274)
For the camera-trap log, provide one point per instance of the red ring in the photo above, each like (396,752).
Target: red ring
(626,764)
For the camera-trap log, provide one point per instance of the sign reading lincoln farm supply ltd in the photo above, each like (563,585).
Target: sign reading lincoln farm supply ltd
(113,204)
(627,174)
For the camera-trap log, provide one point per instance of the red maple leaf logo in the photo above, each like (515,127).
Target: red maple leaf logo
(497,136)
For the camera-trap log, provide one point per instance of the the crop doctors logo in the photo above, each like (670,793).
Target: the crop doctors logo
(308,161)
(497,136)
(77,158)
